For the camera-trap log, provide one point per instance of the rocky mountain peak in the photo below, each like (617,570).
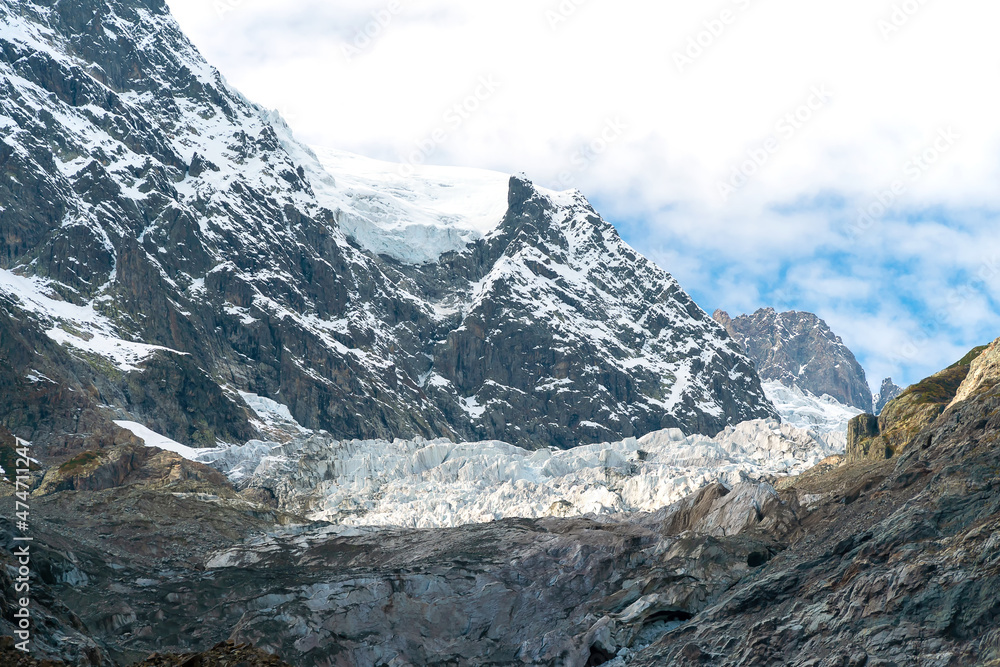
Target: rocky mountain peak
(799,349)
(155,221)
(887,392)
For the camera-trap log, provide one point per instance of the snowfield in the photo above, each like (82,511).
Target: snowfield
(414,214)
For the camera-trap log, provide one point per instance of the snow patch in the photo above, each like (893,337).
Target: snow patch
(153,439)
(80,327)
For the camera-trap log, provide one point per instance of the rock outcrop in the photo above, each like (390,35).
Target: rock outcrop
(799,350)
(984,373)
(917,407)
(893,562)
(862,432)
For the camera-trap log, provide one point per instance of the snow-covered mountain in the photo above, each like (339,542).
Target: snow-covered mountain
(800,350)
(165,244)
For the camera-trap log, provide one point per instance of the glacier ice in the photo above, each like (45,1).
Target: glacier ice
(438,483)
(823,415)
(420,483)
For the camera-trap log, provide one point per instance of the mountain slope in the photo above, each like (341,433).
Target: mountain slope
(180,247)
(890,562)
(799,349)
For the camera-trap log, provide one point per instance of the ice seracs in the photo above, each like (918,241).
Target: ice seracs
(824,415)
(440,483)
(420,483)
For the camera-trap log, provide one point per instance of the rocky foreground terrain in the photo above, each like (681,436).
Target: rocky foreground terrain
(864,561)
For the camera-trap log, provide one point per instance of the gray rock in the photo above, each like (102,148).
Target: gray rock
(799,349)
(888,392)
(860,432)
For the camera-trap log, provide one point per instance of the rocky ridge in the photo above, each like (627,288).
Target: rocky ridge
(165,244)
(918,406)
(887,392)
(799,349)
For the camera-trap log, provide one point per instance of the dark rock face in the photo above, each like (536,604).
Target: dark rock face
(172,396)
(139,185)
(799,349)
(861,431)
(889,391)
(527,349)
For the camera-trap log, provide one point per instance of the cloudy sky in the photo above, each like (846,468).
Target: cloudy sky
(837,157)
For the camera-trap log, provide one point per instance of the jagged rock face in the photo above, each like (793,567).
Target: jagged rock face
(569,335)
(900,565)
(907,415)
(861,433)
(147,201)
(889,391)
(799,349)
(983,375)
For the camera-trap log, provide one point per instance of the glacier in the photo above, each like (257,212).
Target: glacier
(823,415)
(420,483)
